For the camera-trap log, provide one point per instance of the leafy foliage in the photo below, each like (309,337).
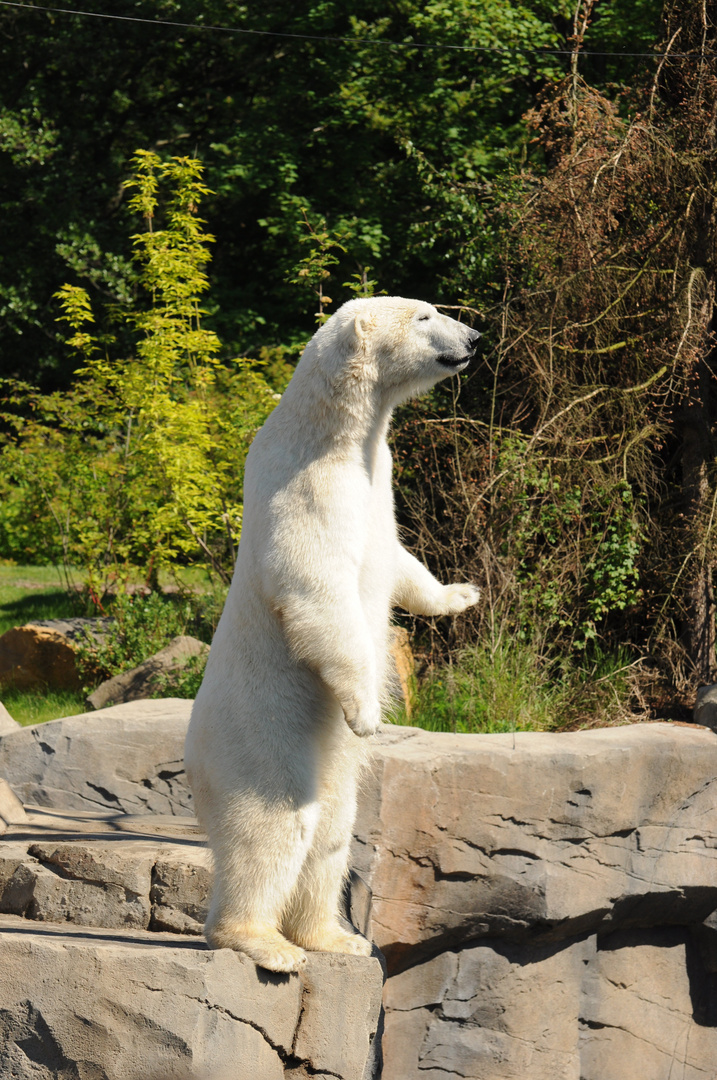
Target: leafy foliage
(397,148)
(141,462)
(575,475)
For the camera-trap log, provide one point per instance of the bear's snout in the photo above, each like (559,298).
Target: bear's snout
(474,337)
(459,361)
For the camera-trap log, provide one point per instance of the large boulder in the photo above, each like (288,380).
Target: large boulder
(535,834)
(143,1006)
(146,678)
(127,759)
(544,902)
(43,653)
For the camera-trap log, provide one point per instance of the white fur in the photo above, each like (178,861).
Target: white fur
(298,669)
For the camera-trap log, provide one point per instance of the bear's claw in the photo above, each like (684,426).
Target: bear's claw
(267,948)
(460,596)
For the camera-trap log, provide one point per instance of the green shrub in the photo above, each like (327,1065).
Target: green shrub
(513,688)
(141,462)
(144,624)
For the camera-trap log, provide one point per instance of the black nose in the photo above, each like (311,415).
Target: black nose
(474,337)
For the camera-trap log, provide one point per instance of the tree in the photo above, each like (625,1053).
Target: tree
(396,147)
(576,475)
(141,461)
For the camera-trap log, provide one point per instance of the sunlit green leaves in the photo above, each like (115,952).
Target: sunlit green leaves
(141,461)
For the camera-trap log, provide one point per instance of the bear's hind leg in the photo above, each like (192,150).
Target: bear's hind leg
(254,875)
(311,919)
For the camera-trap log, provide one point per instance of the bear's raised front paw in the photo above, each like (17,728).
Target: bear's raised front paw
(364,718)
(460,596)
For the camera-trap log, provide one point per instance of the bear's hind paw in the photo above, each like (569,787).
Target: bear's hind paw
(337,940)
(265,946)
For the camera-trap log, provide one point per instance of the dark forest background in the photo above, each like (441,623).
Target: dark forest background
(544,170)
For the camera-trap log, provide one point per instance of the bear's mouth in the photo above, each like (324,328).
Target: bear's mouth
(455,362)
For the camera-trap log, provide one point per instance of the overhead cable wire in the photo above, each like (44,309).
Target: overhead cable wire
(382,42)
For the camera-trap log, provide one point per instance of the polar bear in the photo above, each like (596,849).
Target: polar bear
(298,668)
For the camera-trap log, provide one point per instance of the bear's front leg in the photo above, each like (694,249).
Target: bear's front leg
(328,632)
(416,590)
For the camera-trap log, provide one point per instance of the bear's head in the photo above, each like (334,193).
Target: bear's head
(396,347)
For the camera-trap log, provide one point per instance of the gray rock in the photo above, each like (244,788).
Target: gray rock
(143,681)
(536,835)
(11,809)
(627,1005)
(130,989)
(147,1006)
(649,1010)
(107,877)
(127,759)
(705,711)
(490,1012)
(516,882)
(7,724)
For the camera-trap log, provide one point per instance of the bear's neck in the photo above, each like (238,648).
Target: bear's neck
(347,416)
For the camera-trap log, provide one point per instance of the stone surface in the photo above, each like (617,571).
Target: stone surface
(98,872)
(43,653)
(650,1010)
(7,724)
(547,903)
(705,711)
(531,891)
(490,1012)
(101,981)
(127,759)
(11,809)
(140,1006)
(144,680)
(633,1004)
(462,836)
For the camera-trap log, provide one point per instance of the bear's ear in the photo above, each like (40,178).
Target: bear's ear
(363,324)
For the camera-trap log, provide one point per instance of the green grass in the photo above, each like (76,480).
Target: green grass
(38,705)
(511,688)
(485,691)
(33,592)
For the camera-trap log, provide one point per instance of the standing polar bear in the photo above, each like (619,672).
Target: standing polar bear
(298,667)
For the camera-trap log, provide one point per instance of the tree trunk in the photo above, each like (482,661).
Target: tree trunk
(698,418)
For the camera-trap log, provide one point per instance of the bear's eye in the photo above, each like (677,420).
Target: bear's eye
(423,318)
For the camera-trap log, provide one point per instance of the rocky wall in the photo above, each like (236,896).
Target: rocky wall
(105,974)
(547,903)
(543,902)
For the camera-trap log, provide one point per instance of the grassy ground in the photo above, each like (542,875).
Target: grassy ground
(36,706)
(28,593)
(33,592)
